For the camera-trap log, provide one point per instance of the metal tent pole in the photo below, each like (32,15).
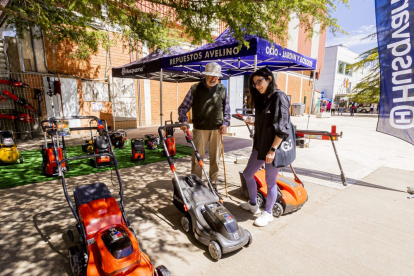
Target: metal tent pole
(139,103)
(228,96)
(110,82)
(255,63)
(161,97)
(176,85)
(312,95)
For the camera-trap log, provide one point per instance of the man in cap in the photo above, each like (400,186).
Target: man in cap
(211,117)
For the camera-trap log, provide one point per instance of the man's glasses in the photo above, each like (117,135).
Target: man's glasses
(255,84)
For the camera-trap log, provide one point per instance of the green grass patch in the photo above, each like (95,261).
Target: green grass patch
(31,169)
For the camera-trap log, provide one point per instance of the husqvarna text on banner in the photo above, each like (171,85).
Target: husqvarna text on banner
(395,29)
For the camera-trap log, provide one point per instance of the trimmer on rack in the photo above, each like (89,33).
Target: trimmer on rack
(23,117)
(56,90)
(212,224)
(20,101)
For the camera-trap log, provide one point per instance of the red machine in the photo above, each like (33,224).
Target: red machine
(24,117)
(291,194)
(319,135)
(51,156)
(138,150)
(22,102)
(107,244)
(170,140)
(14,83)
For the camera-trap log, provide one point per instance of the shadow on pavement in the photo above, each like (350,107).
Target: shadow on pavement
(337,179)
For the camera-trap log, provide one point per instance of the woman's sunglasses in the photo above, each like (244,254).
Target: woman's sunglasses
(258,82)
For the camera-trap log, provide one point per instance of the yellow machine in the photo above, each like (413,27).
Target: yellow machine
(8,148)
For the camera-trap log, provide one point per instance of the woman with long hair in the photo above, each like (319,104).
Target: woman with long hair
(271,126)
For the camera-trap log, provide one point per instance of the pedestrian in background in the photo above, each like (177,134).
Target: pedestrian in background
(352,108)
(333,107)
(341,107)
(328,107)
(211,117)
(371,108)
(271,126)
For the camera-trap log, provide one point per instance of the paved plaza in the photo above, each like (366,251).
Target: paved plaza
(365,228)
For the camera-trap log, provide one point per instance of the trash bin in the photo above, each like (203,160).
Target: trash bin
(298,109)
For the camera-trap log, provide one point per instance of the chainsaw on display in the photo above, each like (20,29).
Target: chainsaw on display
(20,101)
(14,83)
(23,117)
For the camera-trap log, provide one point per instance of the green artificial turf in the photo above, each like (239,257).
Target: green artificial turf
(31,170)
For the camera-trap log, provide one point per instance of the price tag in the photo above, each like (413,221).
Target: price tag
(63,128)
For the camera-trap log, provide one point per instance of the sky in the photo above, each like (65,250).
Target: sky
(358,21)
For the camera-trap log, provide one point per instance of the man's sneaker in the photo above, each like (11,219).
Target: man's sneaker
(220,198)
(252,208)
(264,219)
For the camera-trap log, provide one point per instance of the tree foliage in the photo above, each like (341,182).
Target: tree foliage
(162,23)
(368,90)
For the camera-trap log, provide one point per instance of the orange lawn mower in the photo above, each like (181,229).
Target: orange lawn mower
(169,138)
(138,150)
(107,244)
(50,155)
(291,194)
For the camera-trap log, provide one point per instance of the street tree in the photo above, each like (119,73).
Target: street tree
(368,89)
(162,23)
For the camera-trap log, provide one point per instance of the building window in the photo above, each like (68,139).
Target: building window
(344,68)
(348,70)
(341,67)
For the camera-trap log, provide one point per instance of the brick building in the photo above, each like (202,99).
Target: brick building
(88,88)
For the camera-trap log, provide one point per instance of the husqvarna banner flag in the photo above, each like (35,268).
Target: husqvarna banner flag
(395,33)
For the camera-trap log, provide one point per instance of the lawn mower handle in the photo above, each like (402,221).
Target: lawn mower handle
(54,119)
(169,158)
(172,126)
(44,128)
(89,156)
(243,111)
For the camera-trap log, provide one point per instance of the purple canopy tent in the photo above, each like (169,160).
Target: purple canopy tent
(235,61)
(149,67)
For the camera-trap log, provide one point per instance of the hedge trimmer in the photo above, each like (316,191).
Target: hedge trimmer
(14,83)
(23,117)
(20,101)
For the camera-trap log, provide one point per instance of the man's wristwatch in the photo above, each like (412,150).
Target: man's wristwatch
(273,149)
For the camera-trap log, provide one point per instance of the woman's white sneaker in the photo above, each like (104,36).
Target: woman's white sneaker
(264,219)
(252,208)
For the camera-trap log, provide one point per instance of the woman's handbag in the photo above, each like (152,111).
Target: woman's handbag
(286,152)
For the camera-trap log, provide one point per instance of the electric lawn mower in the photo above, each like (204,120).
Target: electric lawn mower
(203,215)
(99,144)
(108,244)
(50,156)
(138,150)
(8,148)
(291,193)
(169,138)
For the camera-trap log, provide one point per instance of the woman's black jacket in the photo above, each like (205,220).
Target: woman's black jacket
(272,119)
